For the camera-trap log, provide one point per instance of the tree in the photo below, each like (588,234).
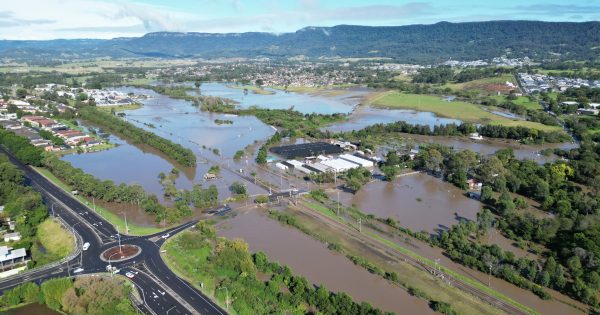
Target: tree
(238,188)
(485,219)
(505,204)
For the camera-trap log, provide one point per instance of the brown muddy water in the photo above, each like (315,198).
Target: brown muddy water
(312,259)
(420,202)
(31,309)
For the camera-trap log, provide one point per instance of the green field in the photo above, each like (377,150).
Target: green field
(114,219)
(481,84)
(120,108)
(521,100)
(464,111)
(55,239)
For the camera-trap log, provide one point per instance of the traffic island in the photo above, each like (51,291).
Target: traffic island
(120,253)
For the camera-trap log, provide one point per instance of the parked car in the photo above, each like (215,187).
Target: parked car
(86,245)
(78,270)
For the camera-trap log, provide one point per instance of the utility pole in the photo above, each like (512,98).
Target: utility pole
(338,203)
(490,276)
(53,209)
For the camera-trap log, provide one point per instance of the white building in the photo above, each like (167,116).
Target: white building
(16,236)
(339,165)
(356,160)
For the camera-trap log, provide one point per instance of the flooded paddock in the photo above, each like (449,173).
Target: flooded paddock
(420,202)
(312,259)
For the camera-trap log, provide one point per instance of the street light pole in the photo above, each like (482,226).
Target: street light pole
(119,237)
(110,264)
(52,206)
(126,226)
(172,307)
(226,296)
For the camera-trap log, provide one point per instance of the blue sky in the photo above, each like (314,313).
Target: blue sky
(48,19)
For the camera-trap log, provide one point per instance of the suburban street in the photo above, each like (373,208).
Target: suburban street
(161,291)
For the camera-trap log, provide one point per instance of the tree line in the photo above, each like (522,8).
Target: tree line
(85,295)
(567,189)
(492,131)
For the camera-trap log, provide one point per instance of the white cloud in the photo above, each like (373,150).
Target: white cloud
(82,19)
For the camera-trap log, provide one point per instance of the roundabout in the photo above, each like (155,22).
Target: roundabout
(120,253)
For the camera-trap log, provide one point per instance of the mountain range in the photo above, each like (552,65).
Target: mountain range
(408,44)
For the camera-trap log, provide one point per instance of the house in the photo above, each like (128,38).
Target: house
(16,236)
(10,257)
(475,136)
(474,184)
(588,111)
(569,103)
(281,166)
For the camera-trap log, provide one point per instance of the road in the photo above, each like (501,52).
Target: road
(161,290)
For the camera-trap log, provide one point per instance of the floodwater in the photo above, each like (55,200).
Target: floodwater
(312,259)
(180,122)
(420,202)
(37,309)
(367,116)
(304,103)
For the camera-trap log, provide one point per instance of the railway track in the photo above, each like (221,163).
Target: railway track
(389,251)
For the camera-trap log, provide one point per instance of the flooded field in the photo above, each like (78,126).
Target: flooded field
(365,116)
(311,259)
(37,309)
(420,202)
(343,102)
(489,146)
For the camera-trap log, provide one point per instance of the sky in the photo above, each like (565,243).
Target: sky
(51,19)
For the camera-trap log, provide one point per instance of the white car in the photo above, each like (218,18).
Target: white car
(165,236)
(86,245)
(78,270)
(129,275)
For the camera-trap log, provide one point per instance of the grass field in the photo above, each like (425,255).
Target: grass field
(481,84)
(521,100)
(464,111)
(120,108)
(114,219)
(55,239)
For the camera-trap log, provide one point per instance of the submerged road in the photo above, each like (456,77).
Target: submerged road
(161,290)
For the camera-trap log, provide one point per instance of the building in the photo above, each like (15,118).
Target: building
(339,165)
(10,258)
(16,236)
(355,159)
(306,149)
(474,184)
(281,166)
(588,111)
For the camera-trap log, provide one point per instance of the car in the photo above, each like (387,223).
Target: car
(165,236)
(86,245)
(78,270)
(129,275)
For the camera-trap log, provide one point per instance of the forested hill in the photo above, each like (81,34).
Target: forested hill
(411,44)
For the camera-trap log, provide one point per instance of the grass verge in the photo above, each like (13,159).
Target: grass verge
(103,212)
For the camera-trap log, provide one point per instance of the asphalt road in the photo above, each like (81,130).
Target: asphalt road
(162,291)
